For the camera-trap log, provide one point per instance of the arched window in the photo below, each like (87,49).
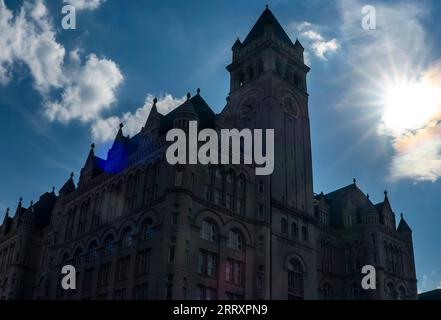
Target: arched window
(108,245)
(402,294)
(283,226)
(353,292)
(148,230)
(305,233)
(230,176)
(91,252)
(391,294)
(326,291)
(127,238)
(295,280)
(235,240)
(78,257)
(294,230)
(208,231)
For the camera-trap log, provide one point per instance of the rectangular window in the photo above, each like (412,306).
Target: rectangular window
(233,272)
(174,219)
(261,212)
(206,293)
(143,262)
(207,263)
(207,192)
(171,254)
(218,197)
(260,276)
(179,178)
(260,186)
(123,268)
(141,291)
(104,274)
(229,201)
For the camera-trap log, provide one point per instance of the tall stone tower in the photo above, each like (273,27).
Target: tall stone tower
(268,90)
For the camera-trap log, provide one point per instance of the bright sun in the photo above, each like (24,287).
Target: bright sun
(409,105)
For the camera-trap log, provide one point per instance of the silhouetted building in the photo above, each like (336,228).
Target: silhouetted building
(430,295)
(136,227)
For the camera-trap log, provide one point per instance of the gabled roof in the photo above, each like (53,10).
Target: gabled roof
(267,18)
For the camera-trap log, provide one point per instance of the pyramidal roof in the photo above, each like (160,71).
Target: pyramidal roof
(267,19)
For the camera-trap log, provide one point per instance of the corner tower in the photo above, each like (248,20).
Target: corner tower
(268,90)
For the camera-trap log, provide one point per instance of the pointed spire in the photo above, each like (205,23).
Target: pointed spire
(385,193)
(198,91)
(188,95)
(354,181)
(403,227)
(69,186)
(7,212)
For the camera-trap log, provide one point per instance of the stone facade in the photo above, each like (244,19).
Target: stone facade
(136,227)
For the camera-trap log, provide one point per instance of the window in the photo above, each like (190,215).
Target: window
(260,276)
(108,245)
(174,218)
(207,263)
(229,201)
(143,261)
(240,206)
(120,294)
(179,178)
(230,177)
(305,233)
(88,278)
(123,268)
(218,173)
(235,240)
(283,226)
(103,278)
(218,197)
(353,292)
(169,292)
(295,280)
(233,296)
(148,230)
(141,291)
(171,254)
(92,253)
(208,231)
(390,292)
(402,295)
(261,212)
(78,257)
(326,291)
(206,293)
(234,272)
(261,189)
(127,239)
(207,192)
(294,230)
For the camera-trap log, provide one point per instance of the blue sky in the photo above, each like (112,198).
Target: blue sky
(374,107)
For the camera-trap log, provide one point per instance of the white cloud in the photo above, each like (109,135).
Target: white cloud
(91,90)
(104,130)
(85,89)
(316,42)
(28,38)
(85,4)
